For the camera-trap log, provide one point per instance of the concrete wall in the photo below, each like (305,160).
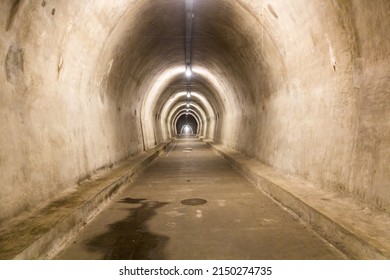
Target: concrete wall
(324,113)
(57,122)
(300,85)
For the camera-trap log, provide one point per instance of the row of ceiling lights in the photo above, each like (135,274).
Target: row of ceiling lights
(188,50)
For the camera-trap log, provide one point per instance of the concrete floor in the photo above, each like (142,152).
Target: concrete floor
(149,221)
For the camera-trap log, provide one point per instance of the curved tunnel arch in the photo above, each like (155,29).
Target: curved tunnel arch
(275,74)
(151,99)
(174,99)
(202,128)
(208,122)
(186,119)
(186,130)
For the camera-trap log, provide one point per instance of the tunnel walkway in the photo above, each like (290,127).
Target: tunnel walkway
(190,204)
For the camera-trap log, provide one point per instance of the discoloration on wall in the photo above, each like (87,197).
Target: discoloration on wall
(59,65)
(15,4)
(14,66)
(272,11)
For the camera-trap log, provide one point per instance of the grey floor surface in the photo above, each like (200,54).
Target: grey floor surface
(190,204)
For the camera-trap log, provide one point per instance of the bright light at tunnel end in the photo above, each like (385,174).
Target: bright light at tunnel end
(186,130)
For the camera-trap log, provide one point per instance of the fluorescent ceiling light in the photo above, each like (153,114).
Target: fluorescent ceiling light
(188,72)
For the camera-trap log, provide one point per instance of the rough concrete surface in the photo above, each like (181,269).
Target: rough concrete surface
(302,86)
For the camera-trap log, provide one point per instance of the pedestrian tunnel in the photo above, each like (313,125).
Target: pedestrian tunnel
(301,87)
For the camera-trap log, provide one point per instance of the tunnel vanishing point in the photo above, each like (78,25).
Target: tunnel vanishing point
(294,94)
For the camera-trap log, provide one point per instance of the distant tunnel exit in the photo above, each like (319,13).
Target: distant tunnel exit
(186,124)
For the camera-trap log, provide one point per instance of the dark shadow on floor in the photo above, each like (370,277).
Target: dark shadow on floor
(131,237)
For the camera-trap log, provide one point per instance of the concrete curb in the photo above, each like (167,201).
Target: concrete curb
(359,233)
(42,235)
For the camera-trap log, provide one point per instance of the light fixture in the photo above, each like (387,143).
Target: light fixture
(187,110)
(188,72)
(188,94)
(188,105)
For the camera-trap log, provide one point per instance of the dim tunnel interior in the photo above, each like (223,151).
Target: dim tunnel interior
(186,124)
(302,87)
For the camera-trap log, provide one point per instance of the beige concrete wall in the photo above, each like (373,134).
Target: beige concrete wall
(322,112)
(57,125)
(370,172)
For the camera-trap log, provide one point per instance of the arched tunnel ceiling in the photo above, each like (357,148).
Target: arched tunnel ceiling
(197,84)
(275,73)
(220,52)
(187,98)
(201,127)
(187,118)
(181,106)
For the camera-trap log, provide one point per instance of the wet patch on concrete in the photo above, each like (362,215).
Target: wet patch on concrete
(131,237)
